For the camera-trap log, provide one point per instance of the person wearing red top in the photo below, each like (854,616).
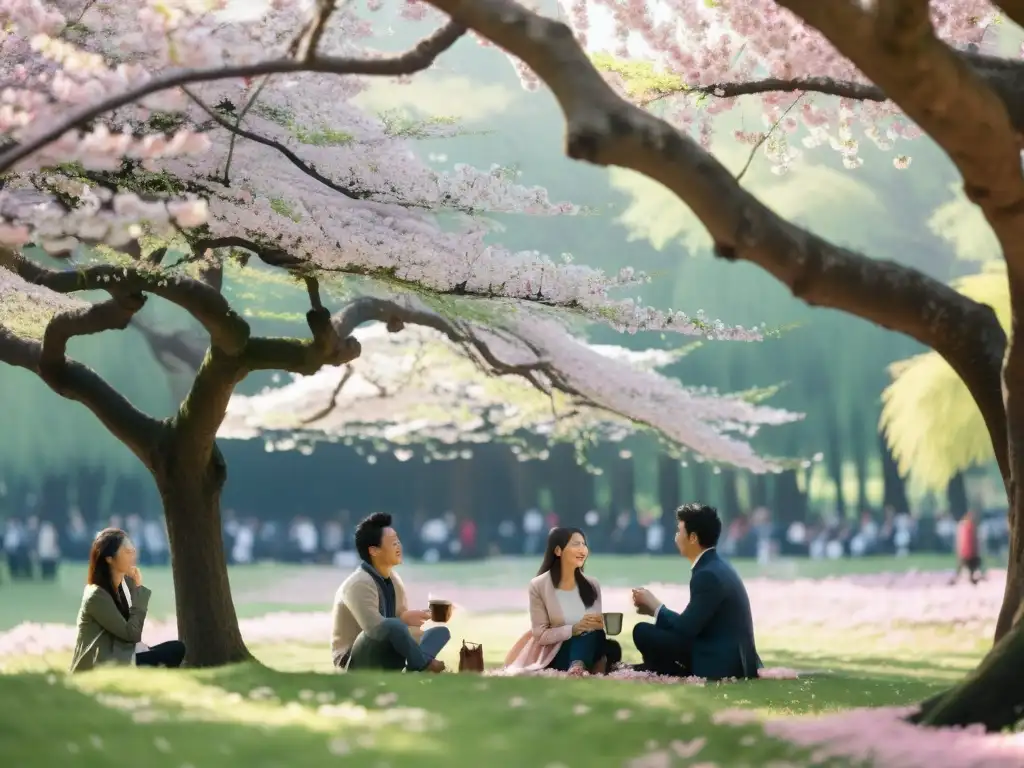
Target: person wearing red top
(967,552)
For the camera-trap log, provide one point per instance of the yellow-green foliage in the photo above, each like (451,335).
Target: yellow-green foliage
(931,421)
(641,80)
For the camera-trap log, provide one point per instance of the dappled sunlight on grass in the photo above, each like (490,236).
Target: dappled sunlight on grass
(159,696)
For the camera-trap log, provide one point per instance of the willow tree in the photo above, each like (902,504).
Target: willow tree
(886,71)
(929,418)
(149,143)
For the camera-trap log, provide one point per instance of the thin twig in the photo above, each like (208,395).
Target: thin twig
(333,402)
(764,137)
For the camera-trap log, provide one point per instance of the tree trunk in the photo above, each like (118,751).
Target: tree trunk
(858,449)
(956,495)
(834,459)
(669,497)
(992,695)
(894,487)
(731,508)
(623,485)
(759,491)
(207,621)
(790,504)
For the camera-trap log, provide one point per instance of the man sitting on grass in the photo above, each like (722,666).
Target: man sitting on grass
(714,636)
(373,626)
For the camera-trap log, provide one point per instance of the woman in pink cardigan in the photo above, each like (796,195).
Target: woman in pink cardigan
(567,631)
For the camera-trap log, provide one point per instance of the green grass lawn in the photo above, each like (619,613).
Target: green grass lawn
(292,710)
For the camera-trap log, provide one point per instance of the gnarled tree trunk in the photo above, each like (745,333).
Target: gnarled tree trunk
(992,695)
(207,620)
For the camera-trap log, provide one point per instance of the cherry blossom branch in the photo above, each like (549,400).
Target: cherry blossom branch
(228,331)
(415,60)
(764,137)
(238,132)
(1004,76)
(606,130)
(293,158)
(269,255)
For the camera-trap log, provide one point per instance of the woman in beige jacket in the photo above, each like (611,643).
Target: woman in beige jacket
(567,626)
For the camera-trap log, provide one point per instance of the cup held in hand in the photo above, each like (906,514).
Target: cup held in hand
(440,610)
(612,623)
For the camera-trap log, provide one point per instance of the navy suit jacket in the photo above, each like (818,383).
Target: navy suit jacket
(716,625)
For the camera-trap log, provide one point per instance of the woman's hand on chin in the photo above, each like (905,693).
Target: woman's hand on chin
(136,575)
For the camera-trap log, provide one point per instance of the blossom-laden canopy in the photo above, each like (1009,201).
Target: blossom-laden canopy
(135,131)
(421,388)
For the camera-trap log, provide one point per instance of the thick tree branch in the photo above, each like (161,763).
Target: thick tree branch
(75,381)
(606,130)
(112,315)
(269,255)
(416,60)
(826,86)
(228,331)
(304,356)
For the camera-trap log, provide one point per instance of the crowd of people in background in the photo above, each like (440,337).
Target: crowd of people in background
(32,548)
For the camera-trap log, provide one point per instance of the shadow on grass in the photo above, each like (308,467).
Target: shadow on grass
(939,672)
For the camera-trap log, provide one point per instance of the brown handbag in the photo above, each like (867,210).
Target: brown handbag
(471,657)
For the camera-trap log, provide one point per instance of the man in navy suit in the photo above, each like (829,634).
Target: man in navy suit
(714,635)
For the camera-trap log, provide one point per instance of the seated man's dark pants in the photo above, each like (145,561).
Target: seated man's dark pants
(586,649)
(390,645)
(663,652)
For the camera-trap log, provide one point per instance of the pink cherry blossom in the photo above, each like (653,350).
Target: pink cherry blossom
(708,44)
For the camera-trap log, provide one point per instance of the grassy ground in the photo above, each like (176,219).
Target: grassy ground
(58,602)
(291,710)
(294,712)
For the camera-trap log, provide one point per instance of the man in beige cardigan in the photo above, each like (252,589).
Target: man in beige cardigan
(373,626)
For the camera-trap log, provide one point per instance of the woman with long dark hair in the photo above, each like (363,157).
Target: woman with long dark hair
(114,609)
(567,626)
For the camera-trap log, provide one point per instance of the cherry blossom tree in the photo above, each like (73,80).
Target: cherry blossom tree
(150,145)
(895,69)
